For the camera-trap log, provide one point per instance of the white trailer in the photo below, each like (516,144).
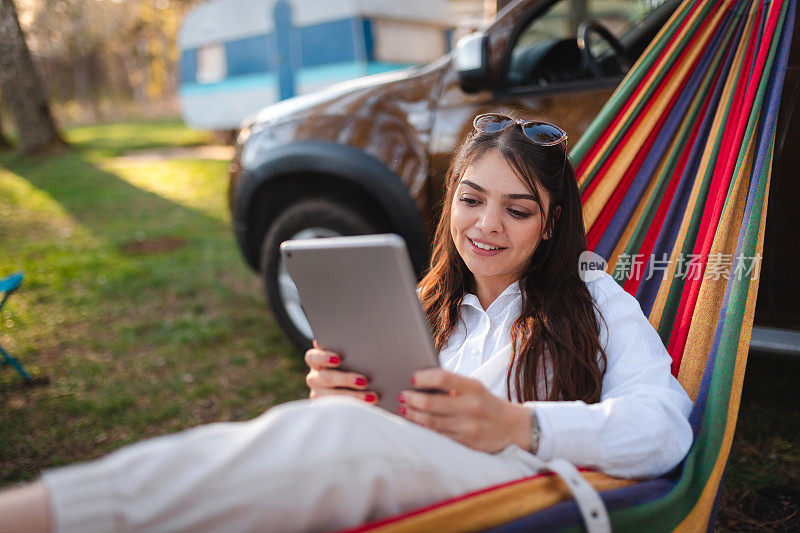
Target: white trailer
(238,56)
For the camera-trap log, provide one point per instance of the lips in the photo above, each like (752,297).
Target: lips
(484,248)
(484,245)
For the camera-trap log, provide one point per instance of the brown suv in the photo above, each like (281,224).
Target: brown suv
(370,155)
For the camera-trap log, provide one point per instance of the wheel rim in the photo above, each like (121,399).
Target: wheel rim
(290,298)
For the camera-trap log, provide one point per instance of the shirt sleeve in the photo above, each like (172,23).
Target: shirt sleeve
(640,426)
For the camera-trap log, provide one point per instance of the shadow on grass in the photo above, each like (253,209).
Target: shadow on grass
(101,201)
(137,340)
(141,242)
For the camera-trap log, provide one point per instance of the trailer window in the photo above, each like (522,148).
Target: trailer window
(403,42)
(211,63)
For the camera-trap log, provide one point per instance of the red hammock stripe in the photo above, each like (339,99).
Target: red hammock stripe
(709,224)
(649,242)
(610,209)
(584,163)
(655,97)
(580,170)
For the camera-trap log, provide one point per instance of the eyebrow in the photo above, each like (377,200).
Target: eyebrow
(511,196)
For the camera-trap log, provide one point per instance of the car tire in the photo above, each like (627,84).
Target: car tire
(305,219)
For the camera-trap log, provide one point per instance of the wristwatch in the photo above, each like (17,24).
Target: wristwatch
(536,432)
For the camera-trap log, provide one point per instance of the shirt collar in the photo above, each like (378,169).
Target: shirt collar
(511,291)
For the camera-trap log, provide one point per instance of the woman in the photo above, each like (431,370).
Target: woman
(538,366)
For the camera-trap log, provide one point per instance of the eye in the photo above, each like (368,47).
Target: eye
(468,201)
(518,214)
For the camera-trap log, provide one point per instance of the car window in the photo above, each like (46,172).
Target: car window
(546,51)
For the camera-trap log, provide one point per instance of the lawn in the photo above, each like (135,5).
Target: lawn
(136,304)
(138,308)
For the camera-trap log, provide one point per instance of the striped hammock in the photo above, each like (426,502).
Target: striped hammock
(674,175)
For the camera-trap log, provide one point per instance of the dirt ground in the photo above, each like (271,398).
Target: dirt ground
(762,481)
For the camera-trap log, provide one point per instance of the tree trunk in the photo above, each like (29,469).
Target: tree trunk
(83,90)
(22,88)
(4,142)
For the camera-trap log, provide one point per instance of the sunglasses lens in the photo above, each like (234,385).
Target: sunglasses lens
(542,133)
(492,123)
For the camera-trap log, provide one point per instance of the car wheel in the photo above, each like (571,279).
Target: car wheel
(305,220)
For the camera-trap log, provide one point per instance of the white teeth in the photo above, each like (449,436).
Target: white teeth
(483,246)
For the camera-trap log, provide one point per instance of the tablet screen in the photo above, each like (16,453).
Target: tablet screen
(359,294)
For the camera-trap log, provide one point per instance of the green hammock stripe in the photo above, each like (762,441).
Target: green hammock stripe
(668,512)
(643,226)
(658,76)
(755,110)
(672,303)
(672,509)
(635,76)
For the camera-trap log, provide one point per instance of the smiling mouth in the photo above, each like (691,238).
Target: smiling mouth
(483,246)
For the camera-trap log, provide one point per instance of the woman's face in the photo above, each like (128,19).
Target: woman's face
(495,221)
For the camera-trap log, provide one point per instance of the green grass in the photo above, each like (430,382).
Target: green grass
(136,342)
(116,139)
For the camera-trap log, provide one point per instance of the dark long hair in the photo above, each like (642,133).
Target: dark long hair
(557,328)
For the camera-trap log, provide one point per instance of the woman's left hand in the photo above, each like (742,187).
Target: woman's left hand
(467,413)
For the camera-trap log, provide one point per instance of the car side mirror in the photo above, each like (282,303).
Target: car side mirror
(471,60)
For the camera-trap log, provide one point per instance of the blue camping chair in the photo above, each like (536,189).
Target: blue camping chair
(7,286)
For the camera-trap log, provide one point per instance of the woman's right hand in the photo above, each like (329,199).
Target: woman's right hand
(324,378)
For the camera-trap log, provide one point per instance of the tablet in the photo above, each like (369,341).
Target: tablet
(359,294)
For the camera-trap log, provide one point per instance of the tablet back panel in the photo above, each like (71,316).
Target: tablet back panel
(359,296)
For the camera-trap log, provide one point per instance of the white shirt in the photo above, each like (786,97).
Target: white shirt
(640,426)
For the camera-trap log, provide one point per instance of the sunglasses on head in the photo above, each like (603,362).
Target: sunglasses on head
(541,133)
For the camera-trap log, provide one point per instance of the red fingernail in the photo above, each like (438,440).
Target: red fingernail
(334,360)
(401,398)
(361,382)
(402,410)
(413,380)
(370,398)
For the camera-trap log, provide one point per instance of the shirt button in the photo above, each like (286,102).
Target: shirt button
(474,351)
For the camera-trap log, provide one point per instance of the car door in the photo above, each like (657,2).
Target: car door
(545,74)
(540,71)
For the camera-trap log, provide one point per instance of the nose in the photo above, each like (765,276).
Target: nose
(489,220)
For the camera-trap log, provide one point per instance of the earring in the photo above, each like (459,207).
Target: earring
(547,234)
